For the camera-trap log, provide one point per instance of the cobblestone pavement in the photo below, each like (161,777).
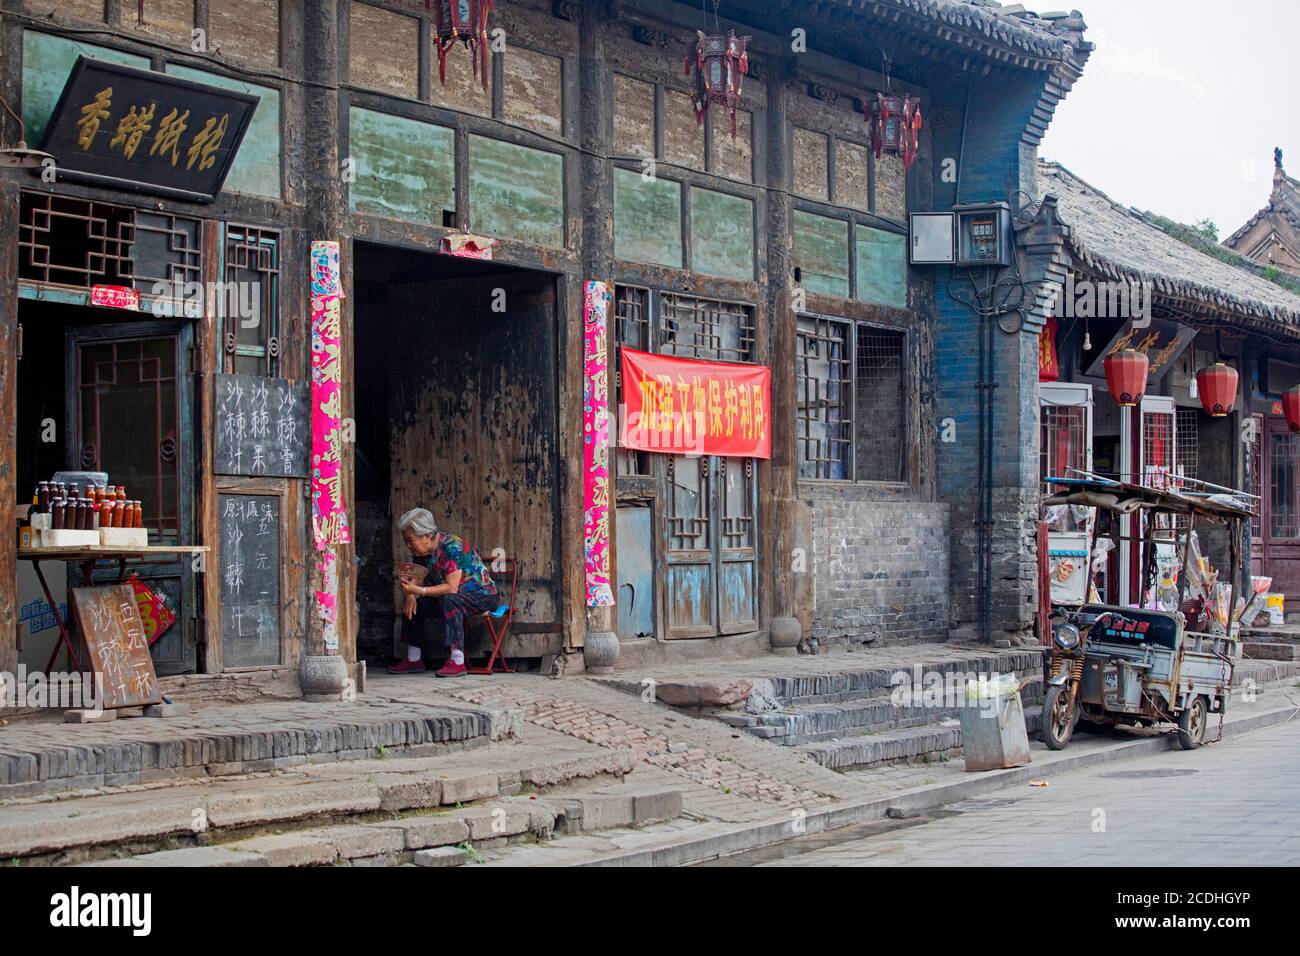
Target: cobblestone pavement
(1230,804)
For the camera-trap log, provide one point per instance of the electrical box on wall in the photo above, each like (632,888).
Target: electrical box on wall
(983,234)
(930,238)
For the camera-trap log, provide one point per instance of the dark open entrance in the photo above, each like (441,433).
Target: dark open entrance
(100,390)
(456,411)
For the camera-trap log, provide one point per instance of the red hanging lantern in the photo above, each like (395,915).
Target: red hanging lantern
(1217,388)
(465,21)
(895,122)
(721,65)
(1126,376)
(1291,408)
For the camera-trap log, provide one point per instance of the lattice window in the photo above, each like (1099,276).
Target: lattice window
(851,401)
(1187,455)
(737,518)
(1158,431)
(1187,445)
(705,329)
(690,503)
(77,242)
(823,399)
(1284,486)
(1063,444)
(250,301)
(631,328)
(880,417)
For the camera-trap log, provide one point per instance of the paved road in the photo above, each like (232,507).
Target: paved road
(1236,803)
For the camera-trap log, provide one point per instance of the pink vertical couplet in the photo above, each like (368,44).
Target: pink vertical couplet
(329,514)
(327,599)
(595,444)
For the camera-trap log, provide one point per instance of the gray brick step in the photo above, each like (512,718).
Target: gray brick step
(818,722)
(38,759)
(449,837)
(876,682)
(406,792)
(930,742)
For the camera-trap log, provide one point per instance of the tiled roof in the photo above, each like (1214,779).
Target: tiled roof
(1114,241)
(1284,201)
(985,24)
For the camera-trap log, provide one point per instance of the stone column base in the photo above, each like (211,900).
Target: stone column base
(600,651)
(785,633)
(322,677)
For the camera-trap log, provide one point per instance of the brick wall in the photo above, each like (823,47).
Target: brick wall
(876,569)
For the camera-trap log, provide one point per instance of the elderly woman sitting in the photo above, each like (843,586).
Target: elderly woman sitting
(458,586)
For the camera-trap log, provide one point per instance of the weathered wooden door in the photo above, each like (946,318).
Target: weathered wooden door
(710,580)
(1280,518)
(129,414)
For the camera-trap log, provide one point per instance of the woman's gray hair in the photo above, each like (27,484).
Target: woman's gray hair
(419,520)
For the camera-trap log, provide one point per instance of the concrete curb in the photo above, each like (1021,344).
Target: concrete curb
(754,836)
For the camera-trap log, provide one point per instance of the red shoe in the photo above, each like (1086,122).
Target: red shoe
(407,667)
(450,669)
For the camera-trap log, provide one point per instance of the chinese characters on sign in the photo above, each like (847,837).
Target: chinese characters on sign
(261,426)
(119,650)
(136,129)
(689,407)
(115,297)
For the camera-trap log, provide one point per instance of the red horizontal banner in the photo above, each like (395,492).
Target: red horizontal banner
(680,406)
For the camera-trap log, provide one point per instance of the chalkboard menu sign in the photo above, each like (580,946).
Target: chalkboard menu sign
(261,427)
(119,651)
(250,579)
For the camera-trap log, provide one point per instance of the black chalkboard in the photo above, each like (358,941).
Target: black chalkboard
(262,426)
(250,579)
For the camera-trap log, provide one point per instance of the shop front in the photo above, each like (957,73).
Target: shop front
(160,429)
(1181,388)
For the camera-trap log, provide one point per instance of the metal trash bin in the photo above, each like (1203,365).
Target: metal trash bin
(993,735)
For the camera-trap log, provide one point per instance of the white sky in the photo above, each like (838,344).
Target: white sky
(1181,104)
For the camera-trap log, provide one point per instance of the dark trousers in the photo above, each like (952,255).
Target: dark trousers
(440,621)
(457,607)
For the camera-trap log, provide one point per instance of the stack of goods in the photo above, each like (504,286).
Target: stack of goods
(63,516)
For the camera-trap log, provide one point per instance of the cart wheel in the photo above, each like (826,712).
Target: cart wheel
(1056,724)
(1191,725)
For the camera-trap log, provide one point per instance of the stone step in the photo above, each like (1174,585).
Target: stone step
(1267,651)
(818,722)
(836,678)
(940,741)
(450,837)
(876,682)
(68,828)
(44,758)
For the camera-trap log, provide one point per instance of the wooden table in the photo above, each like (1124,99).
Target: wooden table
(86,556)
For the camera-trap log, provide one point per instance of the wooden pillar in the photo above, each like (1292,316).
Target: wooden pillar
(778,482)
(326,219)
(600,644)
(8,416)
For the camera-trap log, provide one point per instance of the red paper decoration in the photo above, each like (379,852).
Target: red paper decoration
(721,64)
(1126,376)
(465,21)
(1217,388)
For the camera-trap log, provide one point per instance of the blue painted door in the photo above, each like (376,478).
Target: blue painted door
(711,547)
